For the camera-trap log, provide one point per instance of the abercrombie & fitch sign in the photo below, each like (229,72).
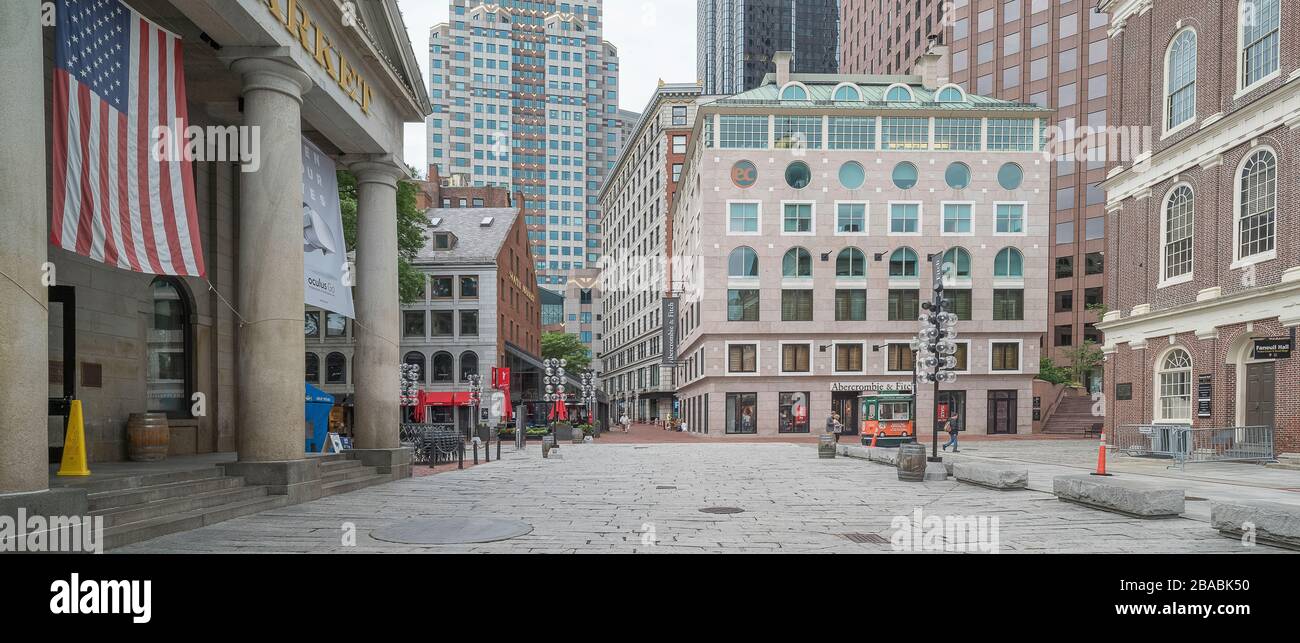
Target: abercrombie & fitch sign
(668,330)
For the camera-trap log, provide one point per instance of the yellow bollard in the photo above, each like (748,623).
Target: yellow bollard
(74,445)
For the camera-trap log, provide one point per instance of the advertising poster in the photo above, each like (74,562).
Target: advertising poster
(325,262)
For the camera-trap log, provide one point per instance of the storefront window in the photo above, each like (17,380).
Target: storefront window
(742,412)
(794,412)
(167,383)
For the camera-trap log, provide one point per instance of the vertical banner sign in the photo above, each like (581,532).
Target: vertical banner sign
(325,257)
(1204,395)
(668,330)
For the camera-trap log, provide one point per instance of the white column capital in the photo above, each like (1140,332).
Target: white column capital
(273,74)
(384,169)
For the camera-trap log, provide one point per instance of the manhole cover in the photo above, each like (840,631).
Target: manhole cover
(664,486)
(451,531)
(722,510)
(874,539)
(1194,499)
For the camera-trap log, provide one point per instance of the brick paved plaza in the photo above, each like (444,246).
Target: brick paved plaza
(606,498)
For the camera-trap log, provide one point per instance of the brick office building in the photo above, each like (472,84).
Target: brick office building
(1204,237)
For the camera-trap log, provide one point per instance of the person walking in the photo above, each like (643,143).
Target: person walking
(833,425)
(954,425)
(627,424)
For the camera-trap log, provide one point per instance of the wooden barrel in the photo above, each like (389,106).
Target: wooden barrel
(147,437)
(911,462)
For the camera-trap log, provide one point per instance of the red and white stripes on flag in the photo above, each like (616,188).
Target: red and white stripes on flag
(117,77)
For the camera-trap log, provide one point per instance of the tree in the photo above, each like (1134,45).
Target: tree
(1082,359)
(411,226)
(1049,372)
(567,347)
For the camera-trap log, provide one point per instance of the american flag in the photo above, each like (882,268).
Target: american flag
(117,76)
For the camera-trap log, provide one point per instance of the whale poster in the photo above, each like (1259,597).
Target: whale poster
(325,258)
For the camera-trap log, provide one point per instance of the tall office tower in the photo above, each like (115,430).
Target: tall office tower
(1051,53)
(636,277)
(736,40)
(526,96)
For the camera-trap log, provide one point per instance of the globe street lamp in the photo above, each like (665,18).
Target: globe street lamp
(936,351)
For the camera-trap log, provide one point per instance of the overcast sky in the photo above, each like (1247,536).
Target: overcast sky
(655,39)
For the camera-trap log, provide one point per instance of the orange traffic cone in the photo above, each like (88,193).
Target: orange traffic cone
(874,436)
(1101,458)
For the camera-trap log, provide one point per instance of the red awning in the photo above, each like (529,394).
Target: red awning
(437,398)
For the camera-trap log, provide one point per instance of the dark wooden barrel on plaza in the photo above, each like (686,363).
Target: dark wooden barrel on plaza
(911,462)
(147,437)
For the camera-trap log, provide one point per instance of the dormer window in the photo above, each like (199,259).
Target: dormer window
(899,94)
(794,91)
(442,241)
(951,94)
(847,93)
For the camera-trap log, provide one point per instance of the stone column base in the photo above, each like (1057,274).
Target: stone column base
(51,502)
(393,462)
(298,479)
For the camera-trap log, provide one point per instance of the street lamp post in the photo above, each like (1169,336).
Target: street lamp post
(935,349)
(589,398)
(475,400)
(555,387)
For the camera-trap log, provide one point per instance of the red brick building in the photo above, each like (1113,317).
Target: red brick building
(440,192)
(1204,248)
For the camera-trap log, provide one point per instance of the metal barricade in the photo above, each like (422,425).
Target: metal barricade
(1182,443)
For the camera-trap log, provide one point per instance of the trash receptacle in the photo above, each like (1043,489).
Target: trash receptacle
(826,446)
(911,462)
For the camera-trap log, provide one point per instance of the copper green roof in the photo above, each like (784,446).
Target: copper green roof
(873,97)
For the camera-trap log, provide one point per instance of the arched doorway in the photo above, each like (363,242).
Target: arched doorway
(1254,397)
(170,349)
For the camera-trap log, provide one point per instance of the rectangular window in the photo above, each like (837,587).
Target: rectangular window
(956,218)
(311,324)
(900,357)
(1005,357)
(1092,297)
(440,287)
(442,323)
(742,358)
(1064,301)
(799,132)
(1064,267)
(797,217)
(679,115)
(1094,228)
(1063,335)
(1093,263)
(469,287)
(742,218)
(677,172)
(905,133)
(1259,41)
(1008,304)
(852,133)
(956,133)
(1011,134)
(413,324)
(336,325)
(904,218)
(679,144)
(963,357)
(795,358)
(796,305)
(848,358)
(960,302)
(794,412)
(851,217)
(904,305)
(1010,218)
(468,323)
(742,305)
(850,304)
(742,412)
(743,132)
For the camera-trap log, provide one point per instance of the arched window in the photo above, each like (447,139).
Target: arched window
(951,94)
(1178,224)
(847,93)
(167,381)
(1257,205)
(1180,79)
(1009,264)
(1174,387)
(960,261)
(468,365)
(313,368)
(336,369)
(794,91)
(796,263)
(743,262)
(902,263)
(1258,45)
(899,94)
(416,359)
(443,366)
(851,263)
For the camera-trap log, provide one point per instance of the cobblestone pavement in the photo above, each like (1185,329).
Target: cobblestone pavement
(638,499)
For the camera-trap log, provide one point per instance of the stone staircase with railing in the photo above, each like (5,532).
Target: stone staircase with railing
(1073,415)
(141,507)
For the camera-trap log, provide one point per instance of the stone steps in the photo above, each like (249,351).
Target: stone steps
(135,532)
(135,513)
(347,473)
(154,493)
(333,488)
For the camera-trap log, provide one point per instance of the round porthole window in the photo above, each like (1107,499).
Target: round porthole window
(852,176)
(744,174)
(797,175)
(904,175)
(957,176)
(1010,175)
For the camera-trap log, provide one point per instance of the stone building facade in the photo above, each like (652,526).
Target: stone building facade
(1206,261)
